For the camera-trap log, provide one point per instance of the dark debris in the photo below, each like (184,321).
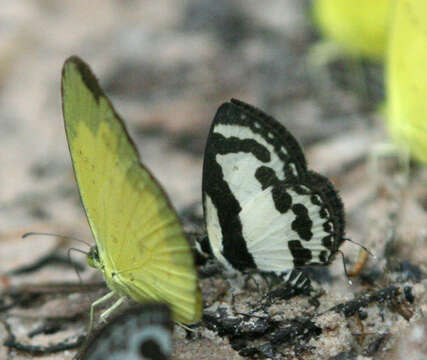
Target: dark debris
(407,290)
(379,297)
(52,259)
(260,336)
(408,272)
(11,342)
(47,328)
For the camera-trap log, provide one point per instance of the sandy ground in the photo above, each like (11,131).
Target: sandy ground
(167,67)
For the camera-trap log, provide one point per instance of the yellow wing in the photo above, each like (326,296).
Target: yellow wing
(143,251)
(359,27)
(407,77)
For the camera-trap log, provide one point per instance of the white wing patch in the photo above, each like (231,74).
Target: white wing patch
(245,133)
(214,230)
(239,172)
(267,231)
(239,168)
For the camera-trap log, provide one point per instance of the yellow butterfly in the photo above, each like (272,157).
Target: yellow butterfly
(358,27)
(407,77)
(140,248)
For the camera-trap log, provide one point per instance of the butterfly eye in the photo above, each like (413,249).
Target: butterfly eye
(93,257)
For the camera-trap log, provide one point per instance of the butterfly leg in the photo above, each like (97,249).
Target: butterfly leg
(295,283)
(107,312)
(92,308)
(298,280)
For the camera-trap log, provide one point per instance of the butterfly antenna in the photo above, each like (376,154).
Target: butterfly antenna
(54,235)
(73,263)
(363,247)
(345,268)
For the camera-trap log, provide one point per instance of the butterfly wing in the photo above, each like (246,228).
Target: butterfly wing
(263,208)
(407,77)
(142,248)
(290,225)
(143,332)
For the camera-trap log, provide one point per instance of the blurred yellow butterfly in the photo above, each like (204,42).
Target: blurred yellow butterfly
(358,27)
(140,248)
(407,77)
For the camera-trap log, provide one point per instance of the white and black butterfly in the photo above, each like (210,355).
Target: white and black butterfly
(263,208)
(140,333)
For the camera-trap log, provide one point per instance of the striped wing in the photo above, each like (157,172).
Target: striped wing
(143,332)
(263,208)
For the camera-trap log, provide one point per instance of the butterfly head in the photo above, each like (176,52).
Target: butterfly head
(93,258)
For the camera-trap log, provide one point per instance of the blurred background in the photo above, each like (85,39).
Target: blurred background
(167,66)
